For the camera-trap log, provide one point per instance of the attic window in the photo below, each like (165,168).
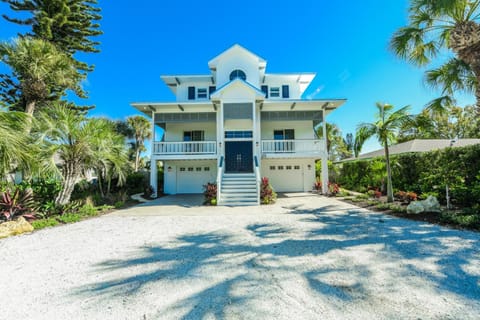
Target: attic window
(238,74)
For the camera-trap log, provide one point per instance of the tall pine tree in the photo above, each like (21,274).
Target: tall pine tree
(69,24)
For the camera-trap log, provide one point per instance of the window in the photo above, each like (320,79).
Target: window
(280,167)
(297,167)
(206,169)
(238,74)
(198,169)
(272,167)
(275,92)
(190,169)
(288,167)
(284,134)
(238,134)
(182,169)
(201,93)
(196,135)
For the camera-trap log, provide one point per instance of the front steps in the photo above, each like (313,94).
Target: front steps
(238,189)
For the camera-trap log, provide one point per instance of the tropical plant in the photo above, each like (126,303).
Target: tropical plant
(267,194)
(15,149)
(81,144)
(210,193)
(385,129)
(44,73)
(436,25)
(337,147)
(18,203)
(140,130)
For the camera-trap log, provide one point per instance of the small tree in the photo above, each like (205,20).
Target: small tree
(385,128)
(140,130)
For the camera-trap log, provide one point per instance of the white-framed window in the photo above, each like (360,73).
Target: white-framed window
(190,169)
(272,167)
(288,167)
(206,169)
(202,93)
(297,167)
(198,169)
(274,92)
(280,167)
(195,135)
(182,169)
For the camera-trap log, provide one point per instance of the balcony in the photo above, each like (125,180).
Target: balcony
(292,148)
(185,150)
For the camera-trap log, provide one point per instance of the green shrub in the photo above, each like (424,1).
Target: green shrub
(372,202)
(382,206)
(466,219)
(44,223)
(87,210)
(210,193)
(362,197)
(136,182)
(69,218)
(119,204)
(397,208)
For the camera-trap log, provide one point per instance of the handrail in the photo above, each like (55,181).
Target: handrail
(219,179)
(257,176)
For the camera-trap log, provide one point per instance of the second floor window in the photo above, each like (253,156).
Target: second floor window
(275,92)
(238,74)
(195,135)
(284,134)
(201,93)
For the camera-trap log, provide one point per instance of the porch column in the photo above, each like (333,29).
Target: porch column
(325,155)
(153,176)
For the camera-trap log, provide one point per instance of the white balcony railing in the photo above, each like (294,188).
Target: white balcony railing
(185,147)
(292,146)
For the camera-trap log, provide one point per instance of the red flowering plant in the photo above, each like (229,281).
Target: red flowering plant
(210,194)
(267,194)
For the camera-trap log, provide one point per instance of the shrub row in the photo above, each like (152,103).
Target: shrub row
(422,173)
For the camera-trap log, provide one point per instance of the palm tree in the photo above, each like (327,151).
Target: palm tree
(435,25)
(44,72)
(14,144)
(141,129)
(385,128)
(81,144)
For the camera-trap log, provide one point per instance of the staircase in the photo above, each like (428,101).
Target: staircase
(238,189)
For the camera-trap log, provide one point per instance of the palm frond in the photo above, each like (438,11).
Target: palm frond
(454,75)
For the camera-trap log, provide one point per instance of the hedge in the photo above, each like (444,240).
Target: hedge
(422,173)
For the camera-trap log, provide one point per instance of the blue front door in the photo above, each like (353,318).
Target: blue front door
(238,156)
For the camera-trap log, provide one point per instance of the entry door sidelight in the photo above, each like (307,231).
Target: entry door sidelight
(238,156)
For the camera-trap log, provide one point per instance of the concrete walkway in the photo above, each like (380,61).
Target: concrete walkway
(307,257)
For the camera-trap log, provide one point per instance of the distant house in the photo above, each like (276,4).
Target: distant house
(236,125)
(417,145)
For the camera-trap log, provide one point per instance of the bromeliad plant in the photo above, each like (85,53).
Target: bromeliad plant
(20,203)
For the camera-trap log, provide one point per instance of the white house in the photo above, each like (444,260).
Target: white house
(236,125)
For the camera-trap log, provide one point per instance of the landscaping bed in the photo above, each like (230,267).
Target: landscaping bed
(457,218)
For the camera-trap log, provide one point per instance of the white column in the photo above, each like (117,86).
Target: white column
(325,155)
(153,176)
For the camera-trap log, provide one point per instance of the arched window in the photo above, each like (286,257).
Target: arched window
(238,74)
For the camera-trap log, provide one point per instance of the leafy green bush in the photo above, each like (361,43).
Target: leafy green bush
(136,182)
(382,206)
(69,218)
(466,219)
(422,173)
(362,196)
(210,193)
(44,223)
(119,204)
(87,210)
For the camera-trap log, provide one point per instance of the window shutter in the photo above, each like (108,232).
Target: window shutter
(191,93)
(285,92)
(211,90)
(265,90)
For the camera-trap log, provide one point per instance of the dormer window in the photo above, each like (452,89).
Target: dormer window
(238,74)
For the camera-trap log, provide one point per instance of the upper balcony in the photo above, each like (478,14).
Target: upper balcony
(269,148)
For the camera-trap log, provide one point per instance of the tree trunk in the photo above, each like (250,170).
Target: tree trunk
(70,176)
(29,109)
(137,159)
(389,175)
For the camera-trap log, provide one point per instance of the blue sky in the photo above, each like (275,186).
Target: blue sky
(345,42)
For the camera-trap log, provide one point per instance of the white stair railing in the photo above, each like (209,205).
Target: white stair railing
(219,179)
(258,179)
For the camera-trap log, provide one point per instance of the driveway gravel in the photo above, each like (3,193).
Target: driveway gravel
(306,257)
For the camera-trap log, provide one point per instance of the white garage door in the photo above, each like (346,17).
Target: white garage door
(285,177)
(190,179)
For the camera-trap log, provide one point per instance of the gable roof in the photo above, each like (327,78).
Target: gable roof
(417,145)
(212,64)
(249,86)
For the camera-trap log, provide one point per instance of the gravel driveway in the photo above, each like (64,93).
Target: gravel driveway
(307,257)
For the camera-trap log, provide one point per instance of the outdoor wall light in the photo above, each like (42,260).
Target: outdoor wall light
(256,143)
(220,144)
(309,166)
(169,169)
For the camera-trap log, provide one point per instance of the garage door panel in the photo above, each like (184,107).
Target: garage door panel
(192,181)
(285,177)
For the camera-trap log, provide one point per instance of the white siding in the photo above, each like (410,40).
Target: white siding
(244,62)
(291,179)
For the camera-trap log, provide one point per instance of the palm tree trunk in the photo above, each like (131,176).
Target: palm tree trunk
(68,183)
(389,174)
(137,159)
